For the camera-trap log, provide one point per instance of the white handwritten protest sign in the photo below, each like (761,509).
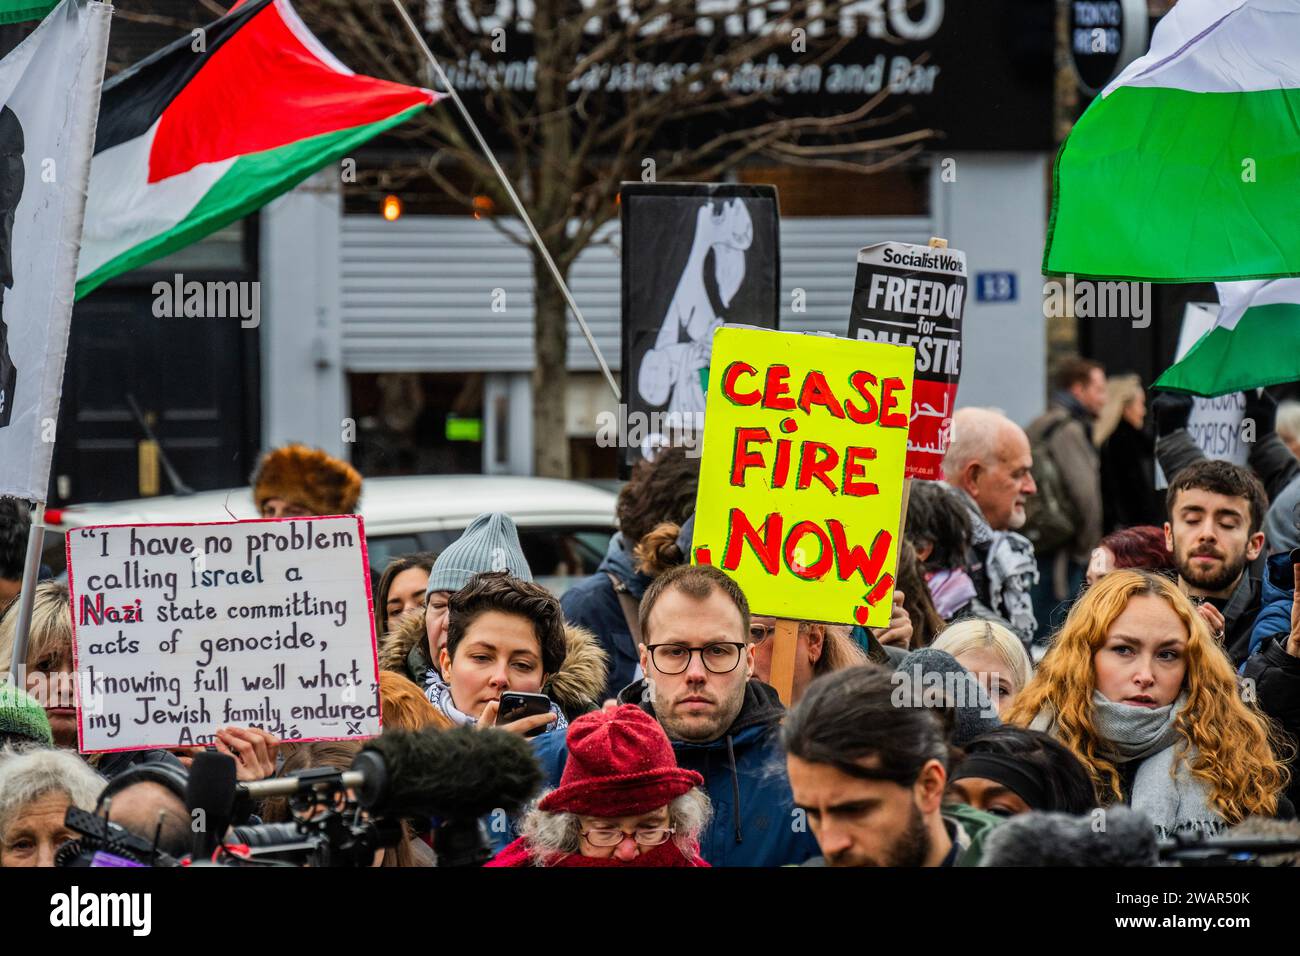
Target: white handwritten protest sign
(181,629)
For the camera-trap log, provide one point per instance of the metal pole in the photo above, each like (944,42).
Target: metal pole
(26,597)
(510,190)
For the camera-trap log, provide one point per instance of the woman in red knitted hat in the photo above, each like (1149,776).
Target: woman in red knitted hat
(622,800)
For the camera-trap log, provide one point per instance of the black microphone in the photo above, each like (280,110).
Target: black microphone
(318,780)
(461,773)
(1120,837)
(211,791)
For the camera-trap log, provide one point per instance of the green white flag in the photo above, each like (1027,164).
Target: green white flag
(1254,342)
(1187,167)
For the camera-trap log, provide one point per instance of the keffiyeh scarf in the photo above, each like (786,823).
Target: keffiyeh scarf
(1010,568)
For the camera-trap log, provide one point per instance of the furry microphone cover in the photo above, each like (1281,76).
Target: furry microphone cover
(460,773)
(1120,837)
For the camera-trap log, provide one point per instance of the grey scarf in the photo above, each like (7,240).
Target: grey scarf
(1164,787)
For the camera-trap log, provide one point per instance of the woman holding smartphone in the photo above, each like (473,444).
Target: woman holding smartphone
(507,641)
(1137,689)
(416,644)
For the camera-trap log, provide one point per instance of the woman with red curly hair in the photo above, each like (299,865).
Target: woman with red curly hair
(1135,686)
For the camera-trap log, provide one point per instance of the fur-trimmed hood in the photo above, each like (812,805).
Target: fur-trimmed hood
(581,680)
(577,686)
(403,635)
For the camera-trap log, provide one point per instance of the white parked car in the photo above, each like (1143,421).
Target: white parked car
(564,526)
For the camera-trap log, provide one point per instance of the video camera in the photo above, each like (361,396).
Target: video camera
(330,827)
(342,817)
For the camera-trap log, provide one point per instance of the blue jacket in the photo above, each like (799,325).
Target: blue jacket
(1274,618)
(593,604)
(747,761)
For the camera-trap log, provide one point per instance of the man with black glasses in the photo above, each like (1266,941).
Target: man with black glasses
(698,663)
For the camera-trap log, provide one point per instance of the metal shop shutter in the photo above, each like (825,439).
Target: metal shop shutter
(820,256)
(417,294)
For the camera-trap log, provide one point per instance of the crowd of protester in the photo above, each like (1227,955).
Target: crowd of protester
(1065,640)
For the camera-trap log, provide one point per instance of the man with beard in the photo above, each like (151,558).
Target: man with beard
(698,660)
(868,763)
(1214,531)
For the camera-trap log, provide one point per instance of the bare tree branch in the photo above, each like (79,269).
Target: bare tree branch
(889,162)
(793,151)
(572,112)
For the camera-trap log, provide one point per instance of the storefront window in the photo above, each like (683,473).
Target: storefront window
(417,423)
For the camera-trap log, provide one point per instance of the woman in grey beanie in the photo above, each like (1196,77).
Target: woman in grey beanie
(490,543)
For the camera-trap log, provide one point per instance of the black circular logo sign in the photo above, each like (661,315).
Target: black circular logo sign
(1105,36)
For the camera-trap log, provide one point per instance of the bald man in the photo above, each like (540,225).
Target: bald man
(989,460)
(987,467)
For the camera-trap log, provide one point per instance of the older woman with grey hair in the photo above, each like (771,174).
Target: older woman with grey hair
(622,801)
(36,789)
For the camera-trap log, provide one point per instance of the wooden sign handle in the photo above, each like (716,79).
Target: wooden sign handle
(785,642)
(902,513)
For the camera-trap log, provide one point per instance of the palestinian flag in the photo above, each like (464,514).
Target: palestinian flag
(1254,342)
(1187,167)
(14,11)
(217,124)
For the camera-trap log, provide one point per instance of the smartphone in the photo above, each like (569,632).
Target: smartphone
(516,705)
